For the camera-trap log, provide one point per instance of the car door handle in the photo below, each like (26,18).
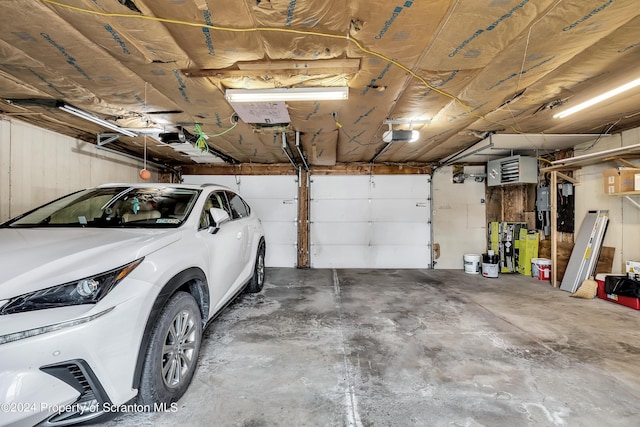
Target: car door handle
(239,235)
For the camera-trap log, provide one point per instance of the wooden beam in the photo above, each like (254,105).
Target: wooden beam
(368,168)
(303,219)
(288,67)
(567,178)
(339,64)
(625,162)
(288,169)
(241,169)
(560,168)
(221,74)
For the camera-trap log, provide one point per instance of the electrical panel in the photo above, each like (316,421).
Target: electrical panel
(512,170)
(543,199)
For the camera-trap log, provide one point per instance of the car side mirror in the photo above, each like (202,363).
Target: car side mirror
(218,217)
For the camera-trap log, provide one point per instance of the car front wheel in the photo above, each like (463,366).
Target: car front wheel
(257,281)
(173,351)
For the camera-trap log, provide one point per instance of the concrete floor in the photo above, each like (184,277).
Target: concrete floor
(412,348)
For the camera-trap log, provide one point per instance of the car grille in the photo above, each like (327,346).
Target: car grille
(87,393)
(91,402)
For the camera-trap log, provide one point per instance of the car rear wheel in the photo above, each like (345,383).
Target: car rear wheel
(257,281)
(173,351)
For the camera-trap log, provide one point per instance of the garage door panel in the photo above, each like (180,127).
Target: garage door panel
(275,209)
(340,256)
(398,234)
(400,256)
(340,233)
(356,256)
(409,210)
(276,186)
(340,187)
(400,187)
(226,180)
(283,233)
(281,255)
(274,200)
(339,210)
(384,223)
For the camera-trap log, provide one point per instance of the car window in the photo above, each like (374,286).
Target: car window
(238,206)
(104,207)
(215,200)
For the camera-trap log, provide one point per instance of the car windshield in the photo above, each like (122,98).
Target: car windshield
(113,207)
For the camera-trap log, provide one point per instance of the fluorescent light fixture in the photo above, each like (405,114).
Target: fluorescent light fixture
(597,99)
(401,136)
(287,94)
(599,155)
(97,120)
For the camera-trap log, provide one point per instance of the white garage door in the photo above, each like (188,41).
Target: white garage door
(379,221)
(275,200)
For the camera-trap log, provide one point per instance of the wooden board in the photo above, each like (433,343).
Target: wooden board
(303,220)
(512,203)
(288,169)
(564,252)
(605,261)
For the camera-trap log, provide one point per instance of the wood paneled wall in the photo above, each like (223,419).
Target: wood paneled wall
(37,166)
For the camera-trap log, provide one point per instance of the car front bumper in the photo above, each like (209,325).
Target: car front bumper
(82,364)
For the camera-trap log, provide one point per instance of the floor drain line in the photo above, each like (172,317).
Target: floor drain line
(351,400)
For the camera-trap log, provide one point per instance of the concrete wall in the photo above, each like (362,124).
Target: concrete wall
(623,232)
(37,166)
(458,217)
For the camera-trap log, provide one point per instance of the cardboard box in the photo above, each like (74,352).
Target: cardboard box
(618,299)
(620,180)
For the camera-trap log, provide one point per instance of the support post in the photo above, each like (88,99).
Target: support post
(303,218)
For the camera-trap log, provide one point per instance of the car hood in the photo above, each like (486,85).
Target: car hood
(37,258)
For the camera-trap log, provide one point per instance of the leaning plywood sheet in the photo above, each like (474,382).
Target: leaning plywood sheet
(586,250)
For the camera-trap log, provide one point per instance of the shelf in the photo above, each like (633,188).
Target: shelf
(626,193)
(620,153)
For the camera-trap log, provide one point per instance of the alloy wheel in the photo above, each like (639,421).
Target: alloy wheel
(178,349)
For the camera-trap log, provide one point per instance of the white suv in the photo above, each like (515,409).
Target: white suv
(104,295)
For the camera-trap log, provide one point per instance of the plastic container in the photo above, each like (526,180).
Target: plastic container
(490,265)
(541,268)
(618,299)
(472,263)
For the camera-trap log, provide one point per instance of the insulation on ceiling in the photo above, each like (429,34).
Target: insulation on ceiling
(463,67)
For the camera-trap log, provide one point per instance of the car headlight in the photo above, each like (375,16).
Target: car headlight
(88,290)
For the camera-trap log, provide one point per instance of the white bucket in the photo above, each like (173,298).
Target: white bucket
(490,270)
(472,263)
(541,268)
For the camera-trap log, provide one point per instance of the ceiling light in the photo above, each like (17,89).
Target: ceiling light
(401,136)
(597,99)
(287,94)
(97,120)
